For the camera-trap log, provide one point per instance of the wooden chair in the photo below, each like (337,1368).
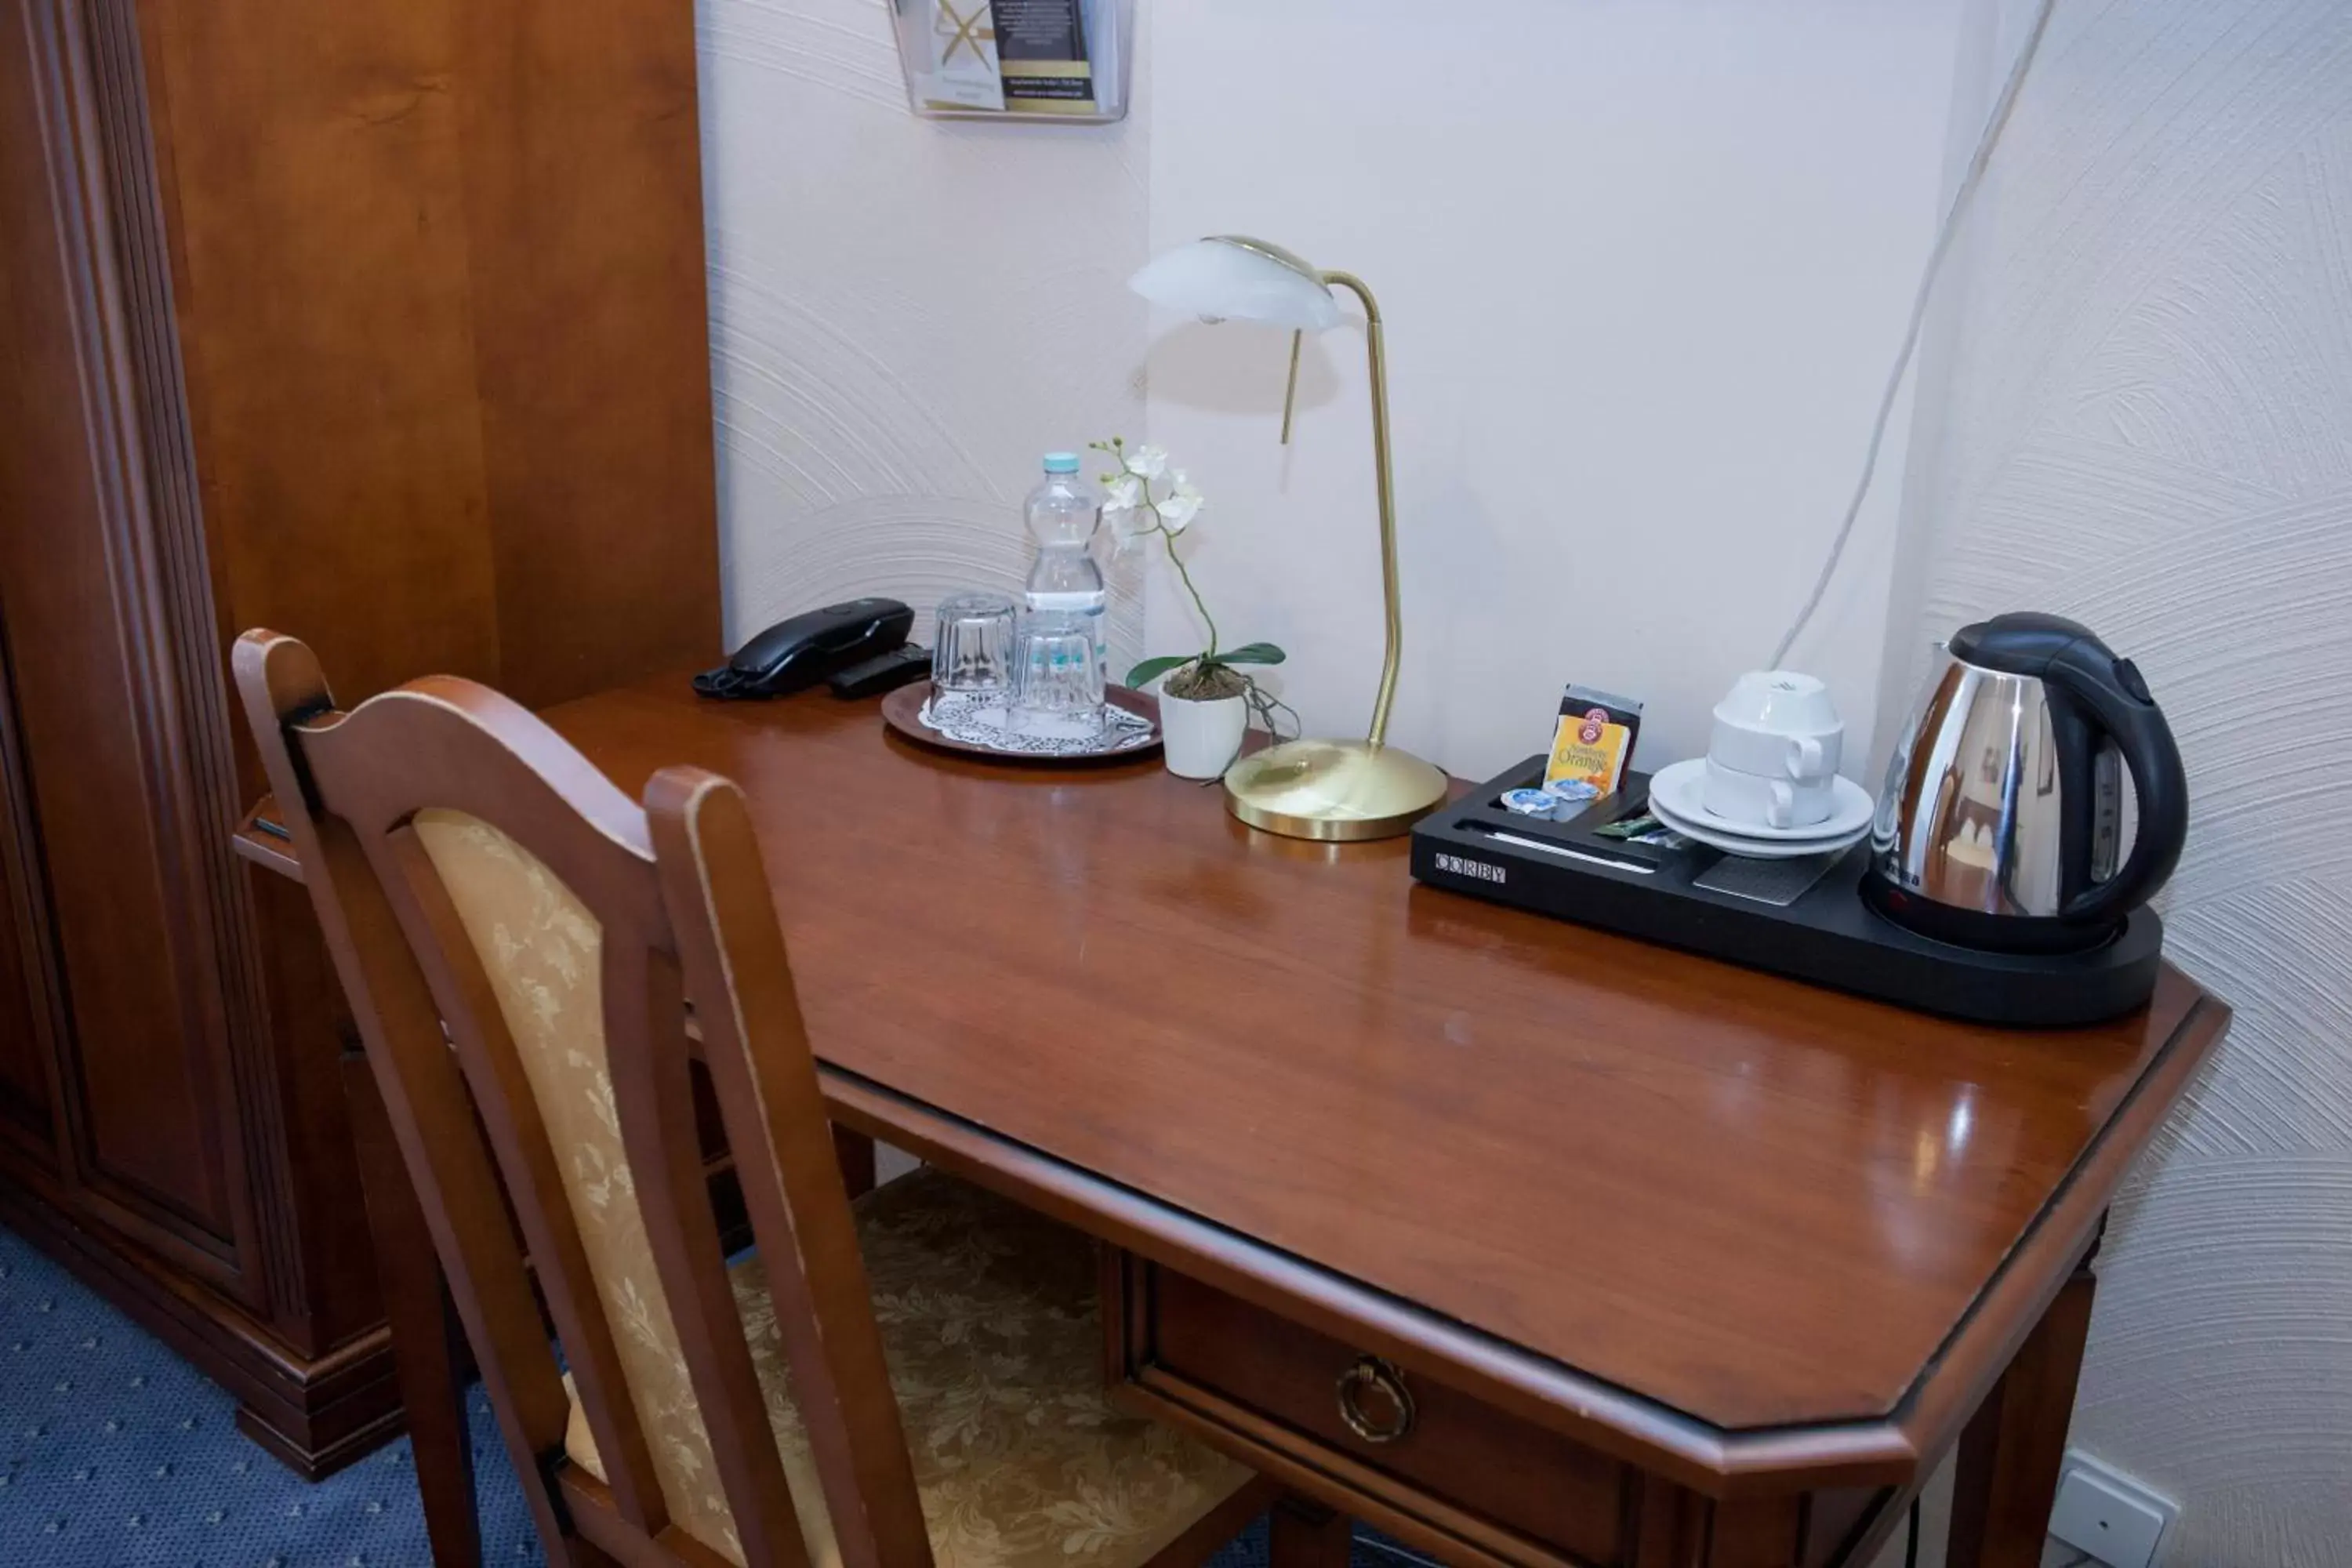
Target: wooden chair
(471,869)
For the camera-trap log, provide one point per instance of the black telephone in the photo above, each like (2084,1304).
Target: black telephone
(795,654)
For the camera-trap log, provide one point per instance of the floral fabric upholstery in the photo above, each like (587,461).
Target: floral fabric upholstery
(989,1313)
(992,1328)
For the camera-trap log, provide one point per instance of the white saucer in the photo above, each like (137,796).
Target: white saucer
(1680,791)
(1717,837)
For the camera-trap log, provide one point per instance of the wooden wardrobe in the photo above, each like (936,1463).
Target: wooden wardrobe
(379,323)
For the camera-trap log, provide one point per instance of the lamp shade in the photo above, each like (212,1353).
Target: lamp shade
(1233,278)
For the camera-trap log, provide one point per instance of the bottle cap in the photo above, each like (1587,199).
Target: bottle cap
(1061,462)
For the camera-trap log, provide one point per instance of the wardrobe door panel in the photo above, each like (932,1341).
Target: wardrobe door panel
(114,755)
(25,1089)
(27,1105)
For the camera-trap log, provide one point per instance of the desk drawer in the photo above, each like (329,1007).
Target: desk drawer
(1381,1442)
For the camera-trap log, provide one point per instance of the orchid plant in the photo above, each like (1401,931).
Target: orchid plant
(1148,499)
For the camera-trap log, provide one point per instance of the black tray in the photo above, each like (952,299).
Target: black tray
(1821,932)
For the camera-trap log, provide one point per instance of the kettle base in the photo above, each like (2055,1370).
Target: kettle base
(1980,930)
(1817,927)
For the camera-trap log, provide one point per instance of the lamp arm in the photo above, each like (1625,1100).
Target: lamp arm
(1377,355)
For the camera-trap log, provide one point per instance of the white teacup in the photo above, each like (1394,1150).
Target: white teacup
(1777,723)
(1756,800)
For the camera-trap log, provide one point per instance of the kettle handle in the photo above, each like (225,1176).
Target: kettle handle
(2118,699)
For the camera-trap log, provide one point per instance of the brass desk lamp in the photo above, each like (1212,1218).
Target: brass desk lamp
(1308,789)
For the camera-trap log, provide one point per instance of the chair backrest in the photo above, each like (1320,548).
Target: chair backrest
(472,871)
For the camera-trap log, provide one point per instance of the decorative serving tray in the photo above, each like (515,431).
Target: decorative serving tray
(982,723)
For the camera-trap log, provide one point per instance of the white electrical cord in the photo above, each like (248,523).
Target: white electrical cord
(1970,179)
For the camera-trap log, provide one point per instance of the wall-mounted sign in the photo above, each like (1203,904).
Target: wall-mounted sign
(1062,60)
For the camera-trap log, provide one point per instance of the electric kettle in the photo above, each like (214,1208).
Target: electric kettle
(1999,822)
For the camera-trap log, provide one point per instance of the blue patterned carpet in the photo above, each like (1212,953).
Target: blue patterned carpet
(113,1453)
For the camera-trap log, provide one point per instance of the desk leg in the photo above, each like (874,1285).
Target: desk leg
(855,1151)
(2006,1478)
(428,1346)
(1304,1534)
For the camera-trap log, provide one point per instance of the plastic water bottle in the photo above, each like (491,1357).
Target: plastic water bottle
(1063,512)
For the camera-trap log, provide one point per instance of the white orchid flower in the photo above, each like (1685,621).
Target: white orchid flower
(1124,493)
(1183,504)
(1149,463)
(1122,509)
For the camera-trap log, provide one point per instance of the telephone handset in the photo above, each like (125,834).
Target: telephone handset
(797,653)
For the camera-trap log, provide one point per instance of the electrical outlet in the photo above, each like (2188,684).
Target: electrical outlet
(2105,1512)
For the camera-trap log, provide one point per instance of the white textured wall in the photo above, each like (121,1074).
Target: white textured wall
(1643,263)
(905,313)
(2140,413)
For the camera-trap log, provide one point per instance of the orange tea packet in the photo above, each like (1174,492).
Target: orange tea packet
(1593,738)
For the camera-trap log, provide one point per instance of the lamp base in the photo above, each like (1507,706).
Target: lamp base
(1332,790)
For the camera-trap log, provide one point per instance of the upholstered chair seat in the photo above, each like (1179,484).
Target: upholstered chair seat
(992,1323)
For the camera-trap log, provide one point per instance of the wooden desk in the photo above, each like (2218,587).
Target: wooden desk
(1679,1263)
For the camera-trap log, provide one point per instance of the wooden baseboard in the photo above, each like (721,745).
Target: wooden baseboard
(315,1414)
(313,1454)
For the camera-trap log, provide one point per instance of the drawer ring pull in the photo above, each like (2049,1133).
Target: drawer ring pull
(1373,1374)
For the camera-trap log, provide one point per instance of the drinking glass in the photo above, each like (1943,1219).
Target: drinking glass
(973,650)
(1057,668)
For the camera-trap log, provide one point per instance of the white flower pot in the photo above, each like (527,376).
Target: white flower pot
(1200,740)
